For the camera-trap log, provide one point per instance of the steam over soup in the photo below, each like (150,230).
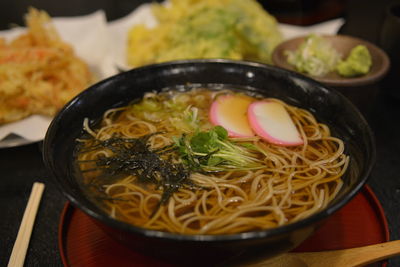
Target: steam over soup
(161,164)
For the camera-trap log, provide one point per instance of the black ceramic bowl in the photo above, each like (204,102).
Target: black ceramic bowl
(327,105)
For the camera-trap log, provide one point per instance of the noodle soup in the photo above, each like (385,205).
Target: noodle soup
(160,164)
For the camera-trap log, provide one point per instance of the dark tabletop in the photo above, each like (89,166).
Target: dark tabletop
(21,166)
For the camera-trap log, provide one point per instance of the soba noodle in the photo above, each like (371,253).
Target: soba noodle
(291,184)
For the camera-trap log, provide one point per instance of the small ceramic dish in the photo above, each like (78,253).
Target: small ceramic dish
(361,90)
(343,44)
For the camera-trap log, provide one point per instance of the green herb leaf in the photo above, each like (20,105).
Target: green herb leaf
(221,132)
(213,151)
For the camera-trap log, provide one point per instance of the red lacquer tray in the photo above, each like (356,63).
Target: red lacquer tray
(361,222)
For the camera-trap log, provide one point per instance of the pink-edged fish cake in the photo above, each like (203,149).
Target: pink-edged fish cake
(230,112)
(271,121)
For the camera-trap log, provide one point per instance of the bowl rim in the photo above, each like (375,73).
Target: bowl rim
(113,223)
(280,61)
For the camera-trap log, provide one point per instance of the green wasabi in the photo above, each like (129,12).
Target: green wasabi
(357,63)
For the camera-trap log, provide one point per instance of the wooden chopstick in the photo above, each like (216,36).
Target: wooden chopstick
(20,248)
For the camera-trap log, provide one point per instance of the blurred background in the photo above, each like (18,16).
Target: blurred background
(297,12)
(300,12)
